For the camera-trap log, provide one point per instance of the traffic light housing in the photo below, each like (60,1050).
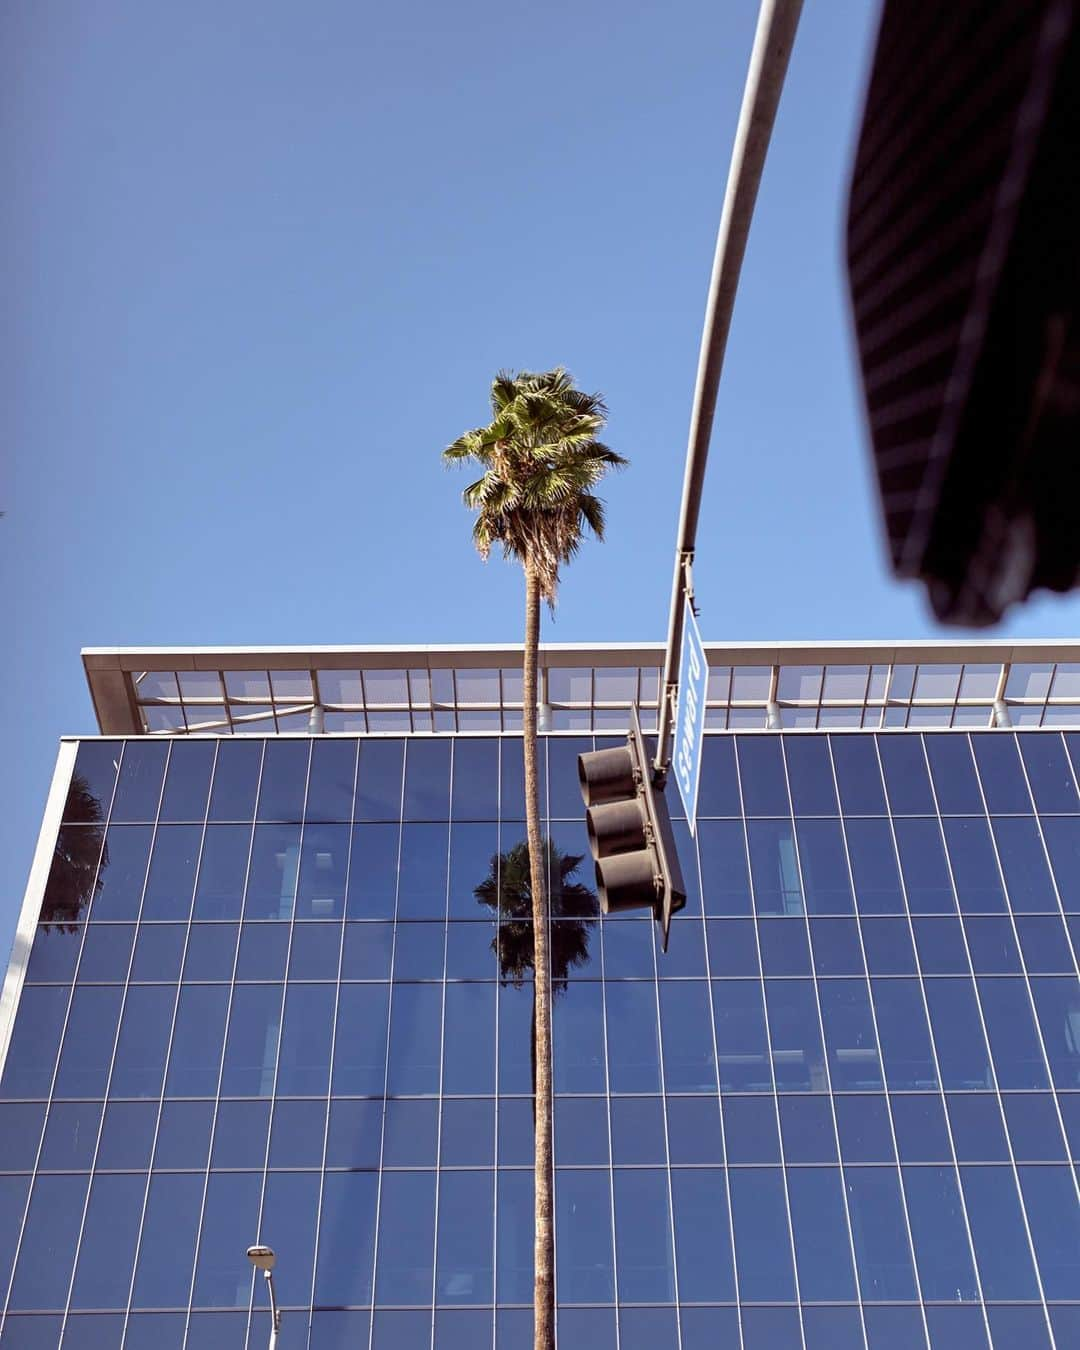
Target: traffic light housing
(630,835)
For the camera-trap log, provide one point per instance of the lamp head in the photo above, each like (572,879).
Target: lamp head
(262,1258)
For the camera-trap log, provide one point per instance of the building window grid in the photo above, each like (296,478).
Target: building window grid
(265,1168)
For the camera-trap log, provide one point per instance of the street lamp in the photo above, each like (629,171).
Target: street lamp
(263,1258)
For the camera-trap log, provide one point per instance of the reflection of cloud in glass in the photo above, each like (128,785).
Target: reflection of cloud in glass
(74,878)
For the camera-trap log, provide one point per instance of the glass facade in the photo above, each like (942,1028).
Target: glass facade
(279,992)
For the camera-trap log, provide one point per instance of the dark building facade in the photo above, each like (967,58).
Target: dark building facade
(273,986)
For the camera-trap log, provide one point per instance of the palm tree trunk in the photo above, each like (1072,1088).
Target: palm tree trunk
(544,1243)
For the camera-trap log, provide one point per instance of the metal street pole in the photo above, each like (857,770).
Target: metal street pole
(263,1258)
(777,22)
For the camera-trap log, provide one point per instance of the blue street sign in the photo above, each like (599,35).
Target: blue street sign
(690,716)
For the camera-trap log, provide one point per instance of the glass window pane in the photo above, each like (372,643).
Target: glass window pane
(323,866)
(921,1131)
(858,775)
(997,1229)
(331,781)
(583,1237)
(785,948)
(70,1137)
(824,867)
(427,780)
(251,1048)
(879,1231)
(633,1051)
(993,946)
(905,1037)
(90,793)
(264,949)
(813,792)
(31,1055)
(940,943)
(476,780)
(304,1062)
(1034,1131)
(138,787)
(1057,1003)
(423,871)
(415,1038)
(127,1135)
(346,1238)
(158,952)
(750,1130)
(1023,861)
(514,1233)
(469,1039)
(144,1036)
(978,1132)
(167,1249)
(183,1139)
(187,781)
(906,778)
(774,867)
(922,860)
(171,880)
(465,1270)
(942,1252)
(406,1238)
(689,1063)
(1001,773)
(1062,836)
(1014,1045)
(873,867)
(236,780)
(798,1057)
(1045,944)
(367,950)
(373,874)
(849,1034)
(468,1133)
(806,1125)
(222,871)
(718,793)
(1050,1201)
(974,866)
(313,954)
(122,872)
(88,1042)
(107,1250)
(223,1276)
(762,1238)
(863,1126)
(822,1248)
(725,881)
(645,1260)
(837,948)
(284,780)
(694,1134)
(889,949)
(288,1221)
(702,1236)
(275,860)
(953,772)
(47,1251)
(761,770)
(1049,772)
(741,1042)
(379,780)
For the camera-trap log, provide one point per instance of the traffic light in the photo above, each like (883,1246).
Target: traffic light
(964,269)
(637,866)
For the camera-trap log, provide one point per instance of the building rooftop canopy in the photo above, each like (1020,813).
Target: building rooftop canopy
(584,687)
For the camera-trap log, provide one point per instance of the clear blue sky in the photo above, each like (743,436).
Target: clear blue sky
(260,262)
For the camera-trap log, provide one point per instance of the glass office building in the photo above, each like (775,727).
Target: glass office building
(269,984)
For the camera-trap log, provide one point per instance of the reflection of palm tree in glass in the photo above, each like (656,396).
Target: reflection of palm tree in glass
(75,877)
(507,892)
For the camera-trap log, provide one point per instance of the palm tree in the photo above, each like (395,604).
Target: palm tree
(79,860)
(507,891)
(541,459)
